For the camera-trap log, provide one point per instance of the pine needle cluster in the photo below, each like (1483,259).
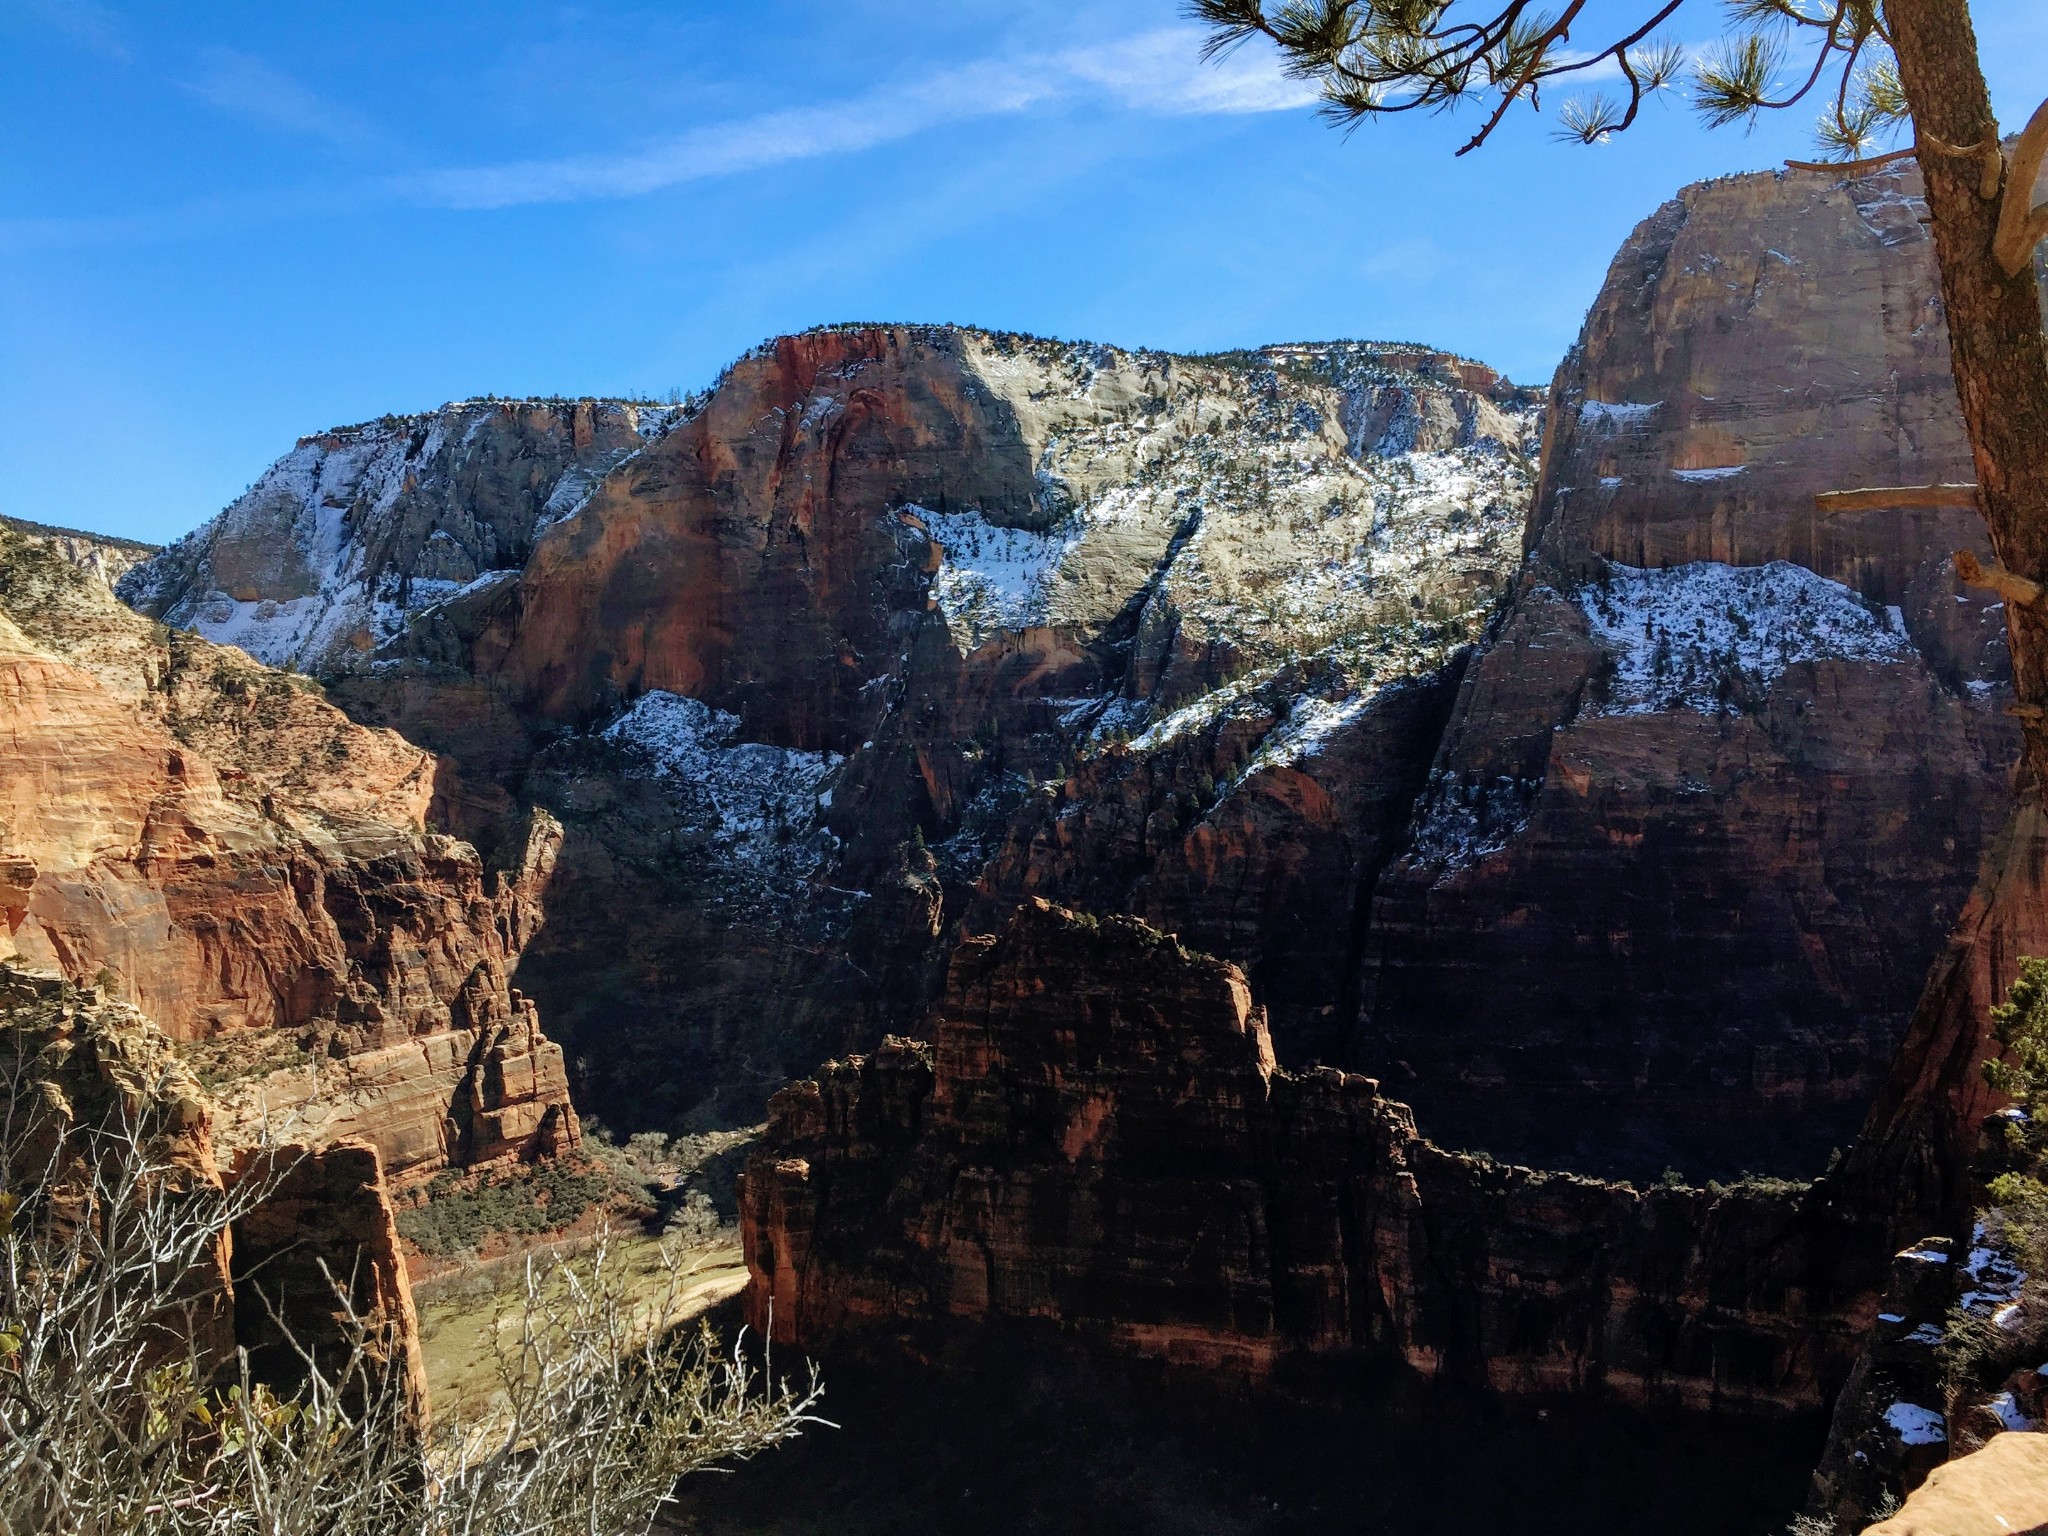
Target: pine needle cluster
(1377,57)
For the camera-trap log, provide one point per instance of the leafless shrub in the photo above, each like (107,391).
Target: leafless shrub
(126,1408)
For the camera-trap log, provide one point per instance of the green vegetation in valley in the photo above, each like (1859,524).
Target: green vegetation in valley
(462,1213)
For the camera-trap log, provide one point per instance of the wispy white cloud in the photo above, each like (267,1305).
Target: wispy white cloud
(1163,71)
(86,23)
(746,144)
(1156,72)
(245,86)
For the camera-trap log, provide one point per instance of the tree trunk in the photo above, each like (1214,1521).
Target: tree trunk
(1994,322)
(1917,1153)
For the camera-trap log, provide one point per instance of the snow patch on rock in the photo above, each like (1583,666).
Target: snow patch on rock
(760,803)
(1463,823)
(281,572)
(991,578)
(2007,1409)
(1681,637)
(1992,1279)
(1915,1425)
(1600,413)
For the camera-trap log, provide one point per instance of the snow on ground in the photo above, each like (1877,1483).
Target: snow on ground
(1197,714)
(991,578)
(482,583)
(1462,824)
(1887,211)
(761,801)
(299,510)
(1311,725)
(1916,1425)
(1679,635)
(1328,567)
(300,533)
(579,482)
(2007,1407)
(1993,1282)
(1599,413)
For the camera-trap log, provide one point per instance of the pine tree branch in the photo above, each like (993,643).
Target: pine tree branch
(2021,224)
(1852,168)
(2010,585)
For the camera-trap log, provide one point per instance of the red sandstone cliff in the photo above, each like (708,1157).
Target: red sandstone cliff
(81,1065)
(899,625)
(1097,1134)
(212,840)
(1695,833)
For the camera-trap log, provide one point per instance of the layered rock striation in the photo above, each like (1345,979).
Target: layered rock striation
(897,626)
(1097,1134)
(213,841)
(795,669)
(1717,787)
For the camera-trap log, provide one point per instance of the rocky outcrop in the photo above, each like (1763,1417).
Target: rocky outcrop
(310,1265)
(1889,1424)
(359,528)
(765,556)
(469,1097)
(319,1276)
(1716,790)
(82,1071)
(213,841)
(1098,1134)
(2000,1489)
(1240,851)
(98,554)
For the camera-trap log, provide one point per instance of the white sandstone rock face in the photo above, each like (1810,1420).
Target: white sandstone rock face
(357,530)
(1349,510)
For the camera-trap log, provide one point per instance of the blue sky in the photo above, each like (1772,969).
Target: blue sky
(225,225)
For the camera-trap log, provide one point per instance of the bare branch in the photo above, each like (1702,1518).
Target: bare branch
(2010,585)
(1853,168)
(121,1412)
(2021,225)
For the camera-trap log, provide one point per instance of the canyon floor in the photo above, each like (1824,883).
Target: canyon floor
(464,1313)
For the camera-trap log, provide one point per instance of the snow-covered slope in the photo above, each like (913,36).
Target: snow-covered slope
(1358,502)
(355,530)
(1682,638)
